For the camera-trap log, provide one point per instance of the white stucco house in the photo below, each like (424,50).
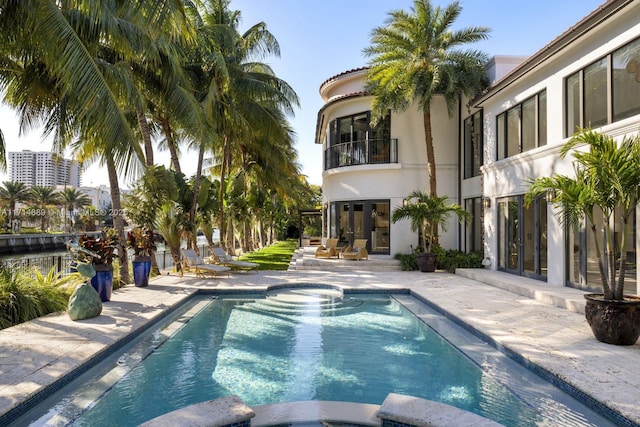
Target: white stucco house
(487,150)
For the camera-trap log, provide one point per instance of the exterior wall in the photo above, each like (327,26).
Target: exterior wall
(392,181)
(509,176)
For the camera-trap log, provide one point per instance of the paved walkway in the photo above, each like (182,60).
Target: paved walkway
(35,355)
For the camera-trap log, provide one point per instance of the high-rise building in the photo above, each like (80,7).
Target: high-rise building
(43,168)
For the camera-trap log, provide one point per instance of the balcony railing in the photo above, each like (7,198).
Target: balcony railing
(366,152)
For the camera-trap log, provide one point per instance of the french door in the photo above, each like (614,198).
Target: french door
(362,219)
(522,237)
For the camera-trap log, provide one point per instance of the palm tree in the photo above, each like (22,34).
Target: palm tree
(416,57)
(428,213)
(606,179)
(44,198)
(12,193)
(71,198)
(248,101)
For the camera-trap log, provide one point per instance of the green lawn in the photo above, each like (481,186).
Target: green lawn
(274,257)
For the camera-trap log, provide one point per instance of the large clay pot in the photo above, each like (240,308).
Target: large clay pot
(141,270)
(102,282)
(427,262)
(613,322)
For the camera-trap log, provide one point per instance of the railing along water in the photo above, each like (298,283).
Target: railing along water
(61,262)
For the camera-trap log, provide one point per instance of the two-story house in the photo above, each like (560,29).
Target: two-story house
(488,150)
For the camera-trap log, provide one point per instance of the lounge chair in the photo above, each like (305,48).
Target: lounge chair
(328,250)
(356,251)
(221,257)
(191,261)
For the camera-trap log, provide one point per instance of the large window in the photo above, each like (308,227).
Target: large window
(582,255)
(605,91)
(473,229)
(354,140)
(473,146)
(522,127)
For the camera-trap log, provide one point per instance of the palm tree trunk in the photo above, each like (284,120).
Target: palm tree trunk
(196,190)
(431,165)
(223,179)
(431,159)
(146,137)
(171,144)
(118,220)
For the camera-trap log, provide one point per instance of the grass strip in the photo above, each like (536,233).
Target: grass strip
(274,257)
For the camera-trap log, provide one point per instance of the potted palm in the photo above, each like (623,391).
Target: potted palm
(140,240)
(605,187)
(427,214)
(99,251)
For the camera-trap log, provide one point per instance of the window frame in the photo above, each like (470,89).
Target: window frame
(539,126)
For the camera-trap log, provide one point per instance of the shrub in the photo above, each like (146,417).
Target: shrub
(22,298)
(451,259)
(408,262)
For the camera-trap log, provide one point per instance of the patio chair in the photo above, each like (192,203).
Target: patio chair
(328,250)
(356,251)
(191,261)
(221,257)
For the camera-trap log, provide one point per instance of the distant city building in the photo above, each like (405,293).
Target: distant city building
(43,168)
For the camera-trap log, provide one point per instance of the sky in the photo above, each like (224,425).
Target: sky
(321,38)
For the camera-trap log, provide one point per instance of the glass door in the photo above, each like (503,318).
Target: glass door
(522,244)
(361,220)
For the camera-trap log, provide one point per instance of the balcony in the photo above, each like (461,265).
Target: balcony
(365,152)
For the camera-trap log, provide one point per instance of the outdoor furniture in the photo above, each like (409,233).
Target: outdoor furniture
(191,261)
(221,257)
(328,250)
(357,251)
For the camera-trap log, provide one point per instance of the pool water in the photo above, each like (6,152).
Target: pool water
(301,344)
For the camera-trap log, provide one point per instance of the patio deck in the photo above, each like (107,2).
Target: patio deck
(533,321)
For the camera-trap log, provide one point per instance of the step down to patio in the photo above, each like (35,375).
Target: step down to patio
(304,259)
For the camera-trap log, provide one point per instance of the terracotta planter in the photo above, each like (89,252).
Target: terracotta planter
(427,262)
(102,282)
(141,270)
(613,322)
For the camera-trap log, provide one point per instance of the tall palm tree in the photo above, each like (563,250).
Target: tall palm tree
(12,193)
(72,198)
(241,95)
(43,198)
(417,56)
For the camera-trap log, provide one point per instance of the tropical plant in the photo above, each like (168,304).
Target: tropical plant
(99,250)
(22,298)
(170,226)
(140,239)
(427,214)
(44,198)
(417,56)
(12,193)
(72,199)
(606,181)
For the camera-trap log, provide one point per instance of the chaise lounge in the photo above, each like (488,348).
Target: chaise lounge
(221,257)
(357,251)
(328,250)
(191,261)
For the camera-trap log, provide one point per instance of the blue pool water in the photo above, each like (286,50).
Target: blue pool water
(300,345)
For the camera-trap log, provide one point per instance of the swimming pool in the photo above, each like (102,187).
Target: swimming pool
(302,344)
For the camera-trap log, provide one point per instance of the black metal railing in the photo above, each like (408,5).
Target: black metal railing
(365,152)
(62,262)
